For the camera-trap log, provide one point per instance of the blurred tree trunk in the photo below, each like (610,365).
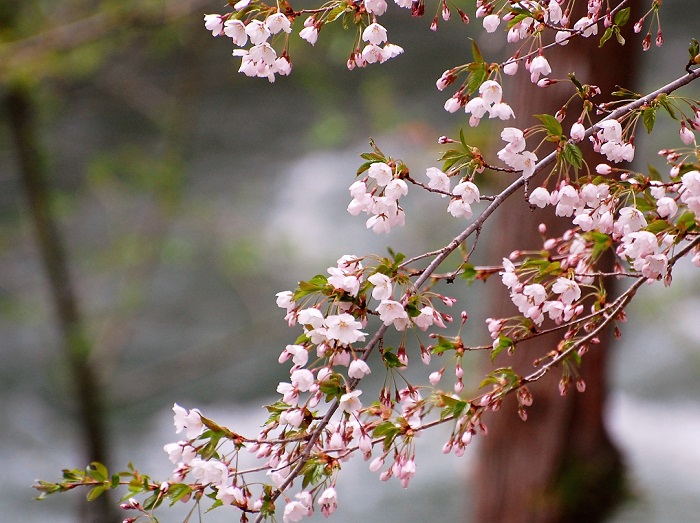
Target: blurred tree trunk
(88,392)
(560,466)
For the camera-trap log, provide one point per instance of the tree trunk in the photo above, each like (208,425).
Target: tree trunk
(560,466)
(88,392)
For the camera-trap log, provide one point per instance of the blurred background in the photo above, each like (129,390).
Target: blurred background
(153,201)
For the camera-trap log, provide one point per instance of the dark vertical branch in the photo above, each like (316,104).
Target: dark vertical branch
(87,389)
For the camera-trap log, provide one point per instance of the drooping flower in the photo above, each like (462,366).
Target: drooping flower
(438,180)
(539,66)
(358,369)
(189,421)
(374,34)
(214,24)
(349,402)
(328,501)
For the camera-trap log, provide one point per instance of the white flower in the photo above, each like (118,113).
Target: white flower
(190,422)
(257,32)
(328,501)
(344,328)
(515,139)
(391,311)
(381,172)
(425,319)
(477,106)
(554,10)
(395,189)
(468,191)
(375,7)
(299,354)
(349,402)
(501,110)
(180,452)
(295,511)
(214,24)
(539,66)
(382,286)
(539,197)
(285,300)
(311,317)
(611,131)
(536,292)
(358,369)
(438,180)
(568,290)
(491,92)
(511,68)
(302,379)
(374,34)
(209,472)
(310,34)
(235,29)
(562,37)
(491,23)
(667,207)
(230,494)
(578,132)
(587,27)
(459,208)
(278,22)
(687,136)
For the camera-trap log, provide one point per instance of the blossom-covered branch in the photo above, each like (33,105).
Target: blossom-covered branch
(645,222)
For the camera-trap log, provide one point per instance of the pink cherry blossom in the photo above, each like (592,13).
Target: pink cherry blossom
(189,421)
(438,180)
(358,369)
(349,402)
(214,24)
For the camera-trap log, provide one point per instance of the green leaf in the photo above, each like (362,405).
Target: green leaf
(649,118)
(622,16)
(572,155)
(462,139)
(551,124)
(469,273)
(575,82)
(686,222)
(476,53)
(97,471)
(178,491)
(391,360)
(618,36)
(504,342)
(657,226)
(153,501)
(663,100)
(388,430)
(654,174)
(606,36)
(96,492)
(476,78)
(601,243)
(693,50)
(444,344)
(336,13)
(315,284)
(115,481)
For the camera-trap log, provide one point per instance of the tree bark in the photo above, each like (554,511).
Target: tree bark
(559,466)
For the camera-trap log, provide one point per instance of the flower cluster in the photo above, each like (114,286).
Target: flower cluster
(378,196)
